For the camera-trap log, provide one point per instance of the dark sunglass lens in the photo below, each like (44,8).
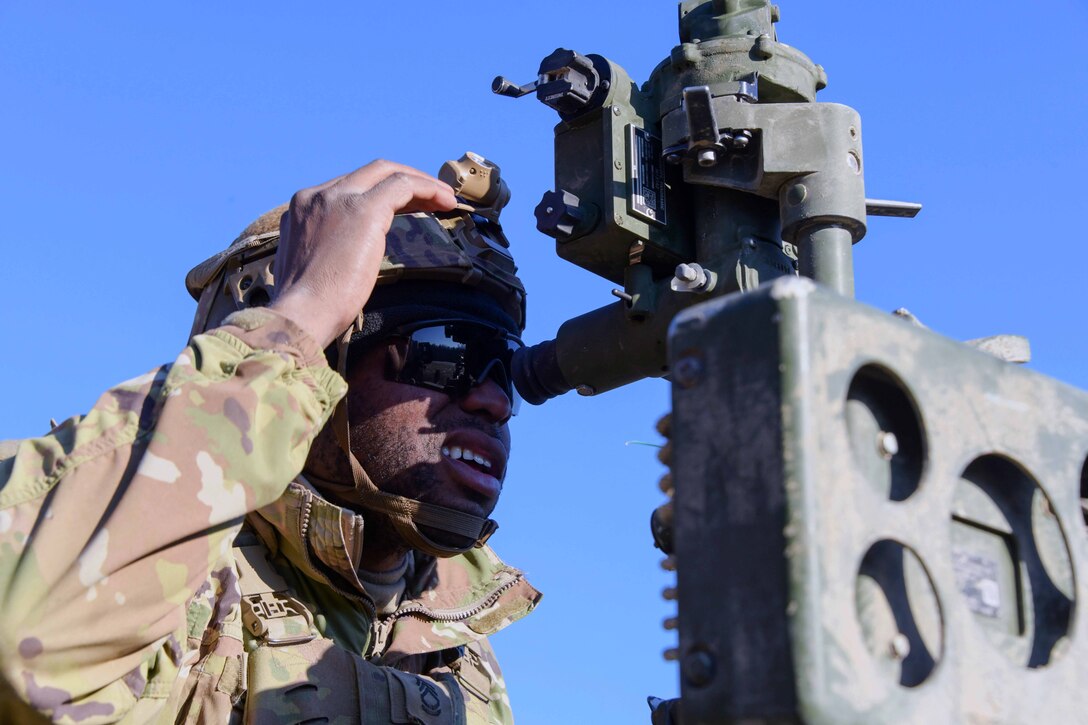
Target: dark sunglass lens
(453,357)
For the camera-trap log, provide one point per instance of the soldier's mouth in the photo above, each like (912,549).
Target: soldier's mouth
(470,457)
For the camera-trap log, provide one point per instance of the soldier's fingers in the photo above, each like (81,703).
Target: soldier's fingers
(358,182)
(365,178)
(407,192)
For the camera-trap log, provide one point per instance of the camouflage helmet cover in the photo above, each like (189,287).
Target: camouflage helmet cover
(465,246)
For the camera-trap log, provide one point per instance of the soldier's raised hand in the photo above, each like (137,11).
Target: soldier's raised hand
(332,240)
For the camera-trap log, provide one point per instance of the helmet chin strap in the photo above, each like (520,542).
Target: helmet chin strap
(406,514)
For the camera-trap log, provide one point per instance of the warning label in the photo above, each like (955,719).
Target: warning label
(647,186)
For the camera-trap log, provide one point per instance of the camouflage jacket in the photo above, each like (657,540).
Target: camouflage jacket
(119,588)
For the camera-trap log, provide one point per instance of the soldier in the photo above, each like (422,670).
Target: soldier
(364,592)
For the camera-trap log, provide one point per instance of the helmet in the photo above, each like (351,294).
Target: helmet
(464,247)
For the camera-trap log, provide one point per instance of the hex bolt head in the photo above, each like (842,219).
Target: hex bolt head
(887,445)
(586,390)
(686,273)
(698,668)
(707,158)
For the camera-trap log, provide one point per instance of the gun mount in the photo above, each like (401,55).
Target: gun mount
(869,522)
(722,166)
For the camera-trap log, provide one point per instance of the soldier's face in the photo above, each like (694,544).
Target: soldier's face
(425,444)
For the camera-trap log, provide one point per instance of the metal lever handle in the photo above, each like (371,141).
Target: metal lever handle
(505,87)
(884,207)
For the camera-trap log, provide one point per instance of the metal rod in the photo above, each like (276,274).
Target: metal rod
(885,207)
(826,254)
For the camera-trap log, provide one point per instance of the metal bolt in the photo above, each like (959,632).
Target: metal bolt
(673,158)
(666,485)
(797,194)
(671,623)
(887,445)
(686,273)
(707,158)
(741,140)
(750,242)
(672,654)
(669,563)
(669,594)
(618,164)
(698,668)
(620,294)
(900,646)
(586,390)
(688,371)
(854,162)
(615,110)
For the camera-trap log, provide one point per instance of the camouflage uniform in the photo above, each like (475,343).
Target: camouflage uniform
(113,611)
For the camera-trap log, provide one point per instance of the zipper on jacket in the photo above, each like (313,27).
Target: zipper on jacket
(380,629)
(384,628)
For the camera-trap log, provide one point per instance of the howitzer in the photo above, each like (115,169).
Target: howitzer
(869,522)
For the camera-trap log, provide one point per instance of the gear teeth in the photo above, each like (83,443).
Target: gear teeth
(664,425)
(664,454)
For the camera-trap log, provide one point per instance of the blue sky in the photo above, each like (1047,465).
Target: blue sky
(138,138)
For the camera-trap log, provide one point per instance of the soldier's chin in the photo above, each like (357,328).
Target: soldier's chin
(445,538)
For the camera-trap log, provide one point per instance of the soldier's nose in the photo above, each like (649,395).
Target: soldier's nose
(489,400)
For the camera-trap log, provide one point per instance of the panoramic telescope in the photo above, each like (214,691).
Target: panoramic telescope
(869,522)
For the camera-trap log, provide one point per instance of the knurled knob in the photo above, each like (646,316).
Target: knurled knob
(560,215)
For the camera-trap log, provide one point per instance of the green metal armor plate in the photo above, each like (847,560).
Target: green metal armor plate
(873,523)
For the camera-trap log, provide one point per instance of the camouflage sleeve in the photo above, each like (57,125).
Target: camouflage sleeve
(498,700)
(483,687)
(109,524)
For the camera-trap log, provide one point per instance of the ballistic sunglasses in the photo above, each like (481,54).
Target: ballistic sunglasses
(452,356)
